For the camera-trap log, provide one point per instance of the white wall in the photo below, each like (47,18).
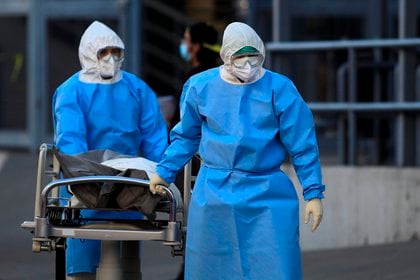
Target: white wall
(364,206)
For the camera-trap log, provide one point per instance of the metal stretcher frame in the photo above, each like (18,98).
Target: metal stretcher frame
(48,236)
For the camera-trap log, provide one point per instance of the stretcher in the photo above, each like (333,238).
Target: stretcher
(55,221)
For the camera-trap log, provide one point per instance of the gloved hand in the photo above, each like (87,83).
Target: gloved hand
(314,207)
(156,183)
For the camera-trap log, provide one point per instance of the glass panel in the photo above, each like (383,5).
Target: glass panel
(13,62)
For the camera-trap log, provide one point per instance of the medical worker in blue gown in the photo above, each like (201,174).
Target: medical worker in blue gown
(245,121)
(103,107)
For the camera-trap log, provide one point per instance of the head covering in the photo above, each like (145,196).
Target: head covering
(96,37)
(240,38)
(236,36)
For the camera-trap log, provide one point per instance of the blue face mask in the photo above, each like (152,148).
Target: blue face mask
(183,51)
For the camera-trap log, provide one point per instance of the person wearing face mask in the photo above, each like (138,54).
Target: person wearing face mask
(245,121)
(200,49)
(103,107)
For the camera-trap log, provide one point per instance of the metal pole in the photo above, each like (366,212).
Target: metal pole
(312,46)
(276,21)
(187,189)
(139,36)
(129,26)
(405,85)
(377,89)
(351,130)
(341,126)
(36,53)
(130,260)
(375,17)
(418,116)
(110,265)
(274,61)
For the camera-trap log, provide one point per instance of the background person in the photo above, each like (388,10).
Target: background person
(103,107)
(199,47)
(244,120)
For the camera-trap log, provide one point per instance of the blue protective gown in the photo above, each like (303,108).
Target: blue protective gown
(123,117)
(244,217)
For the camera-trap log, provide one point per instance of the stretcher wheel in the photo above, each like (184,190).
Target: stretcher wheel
(36,246)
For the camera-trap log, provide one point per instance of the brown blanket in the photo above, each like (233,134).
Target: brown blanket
(107,195)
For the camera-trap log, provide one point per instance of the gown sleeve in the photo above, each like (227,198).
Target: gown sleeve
(185,136)
(69,123)
(152,126)
(297,133)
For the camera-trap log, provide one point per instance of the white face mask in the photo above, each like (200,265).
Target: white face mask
(247,73)
(109,66)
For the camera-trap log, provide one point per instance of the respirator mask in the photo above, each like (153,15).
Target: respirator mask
(110,60)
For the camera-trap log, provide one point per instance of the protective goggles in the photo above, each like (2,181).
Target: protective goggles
(241,60)
(116,53)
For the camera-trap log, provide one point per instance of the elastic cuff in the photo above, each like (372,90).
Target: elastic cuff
(163,173)
(313,194)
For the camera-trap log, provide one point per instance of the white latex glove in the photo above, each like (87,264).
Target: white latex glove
(156,183)
(314,207)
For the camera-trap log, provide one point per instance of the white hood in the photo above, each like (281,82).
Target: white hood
(236,36)
(97,36)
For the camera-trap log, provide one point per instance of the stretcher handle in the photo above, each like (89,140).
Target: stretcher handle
(42,159)
(103,179)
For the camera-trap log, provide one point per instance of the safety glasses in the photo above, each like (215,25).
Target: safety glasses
(241,60)
(116,53)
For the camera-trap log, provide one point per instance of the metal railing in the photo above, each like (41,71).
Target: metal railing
(405,104)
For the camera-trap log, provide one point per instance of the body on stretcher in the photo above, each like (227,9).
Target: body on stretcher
(54,221)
